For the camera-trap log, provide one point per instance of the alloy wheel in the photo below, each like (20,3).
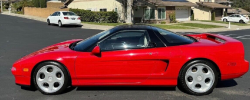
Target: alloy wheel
(50,78)
(199,78)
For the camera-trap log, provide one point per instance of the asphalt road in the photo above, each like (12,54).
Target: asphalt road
(19,37)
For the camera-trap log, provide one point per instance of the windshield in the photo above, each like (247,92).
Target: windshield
(69,14)
(84,44)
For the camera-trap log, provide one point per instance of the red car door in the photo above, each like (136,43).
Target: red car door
(100,69)
(141,64)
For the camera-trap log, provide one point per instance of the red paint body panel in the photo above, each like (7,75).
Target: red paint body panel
(151,66)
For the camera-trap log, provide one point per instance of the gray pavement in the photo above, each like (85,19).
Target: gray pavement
(21,36)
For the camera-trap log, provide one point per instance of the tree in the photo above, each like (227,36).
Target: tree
(245,4)
(130,5)
(40,3)
(25,3)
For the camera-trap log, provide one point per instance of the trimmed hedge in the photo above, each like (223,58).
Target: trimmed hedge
(100,17)
(213,16)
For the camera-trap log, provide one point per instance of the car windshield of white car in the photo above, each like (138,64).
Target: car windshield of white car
(69,14)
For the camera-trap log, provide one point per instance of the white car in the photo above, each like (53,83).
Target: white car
(235,18)
(64,18)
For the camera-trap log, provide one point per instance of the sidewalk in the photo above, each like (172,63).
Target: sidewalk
(102,27)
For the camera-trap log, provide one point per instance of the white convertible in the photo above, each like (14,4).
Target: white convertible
(64,18)
(235,18)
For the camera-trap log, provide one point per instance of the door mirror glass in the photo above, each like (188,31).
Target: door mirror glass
(96,51)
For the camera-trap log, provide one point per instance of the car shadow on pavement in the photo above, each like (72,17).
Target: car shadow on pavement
(125,88)
(226,83)
(68,26)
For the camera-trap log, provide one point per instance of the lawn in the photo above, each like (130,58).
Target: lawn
(170,26)
(197,25)
(232,23)
(157,25)
(105,24)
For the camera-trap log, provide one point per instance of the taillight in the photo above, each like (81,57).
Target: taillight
(79,18)
(66,17)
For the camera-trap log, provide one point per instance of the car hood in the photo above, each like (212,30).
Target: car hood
(59,47)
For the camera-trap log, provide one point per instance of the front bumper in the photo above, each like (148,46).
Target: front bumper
(19,77)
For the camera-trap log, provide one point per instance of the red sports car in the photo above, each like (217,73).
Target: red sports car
(134,55)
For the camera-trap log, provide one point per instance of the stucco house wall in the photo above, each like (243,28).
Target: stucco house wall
(96,5)
(201,13)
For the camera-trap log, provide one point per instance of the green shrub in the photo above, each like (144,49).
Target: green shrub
(19,12)
(192,17)
(213,16)
(100,17)
(225,13)
(172,18)
(163,22)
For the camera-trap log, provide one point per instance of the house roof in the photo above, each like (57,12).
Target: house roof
(238,11)
(172,3)
(223,1)
(167,3)
(212,5)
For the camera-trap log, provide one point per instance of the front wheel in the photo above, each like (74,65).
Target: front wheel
(48,21)
(224,20)
(50,78)
(198,77)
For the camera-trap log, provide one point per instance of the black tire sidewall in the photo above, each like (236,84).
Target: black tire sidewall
(59,24)
(65,72)
(183,84)
(48,21)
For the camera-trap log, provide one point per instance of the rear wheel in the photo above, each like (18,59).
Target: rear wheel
(60,23)
(50,78)
(198,77)
(241,21)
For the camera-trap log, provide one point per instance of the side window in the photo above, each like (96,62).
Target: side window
(58,14)
(237,15)
(125,40)
(231,16)
(54,14)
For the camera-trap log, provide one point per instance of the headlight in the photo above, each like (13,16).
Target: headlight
(13,69)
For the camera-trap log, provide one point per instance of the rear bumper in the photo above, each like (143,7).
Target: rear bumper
(71,22)
(243,69)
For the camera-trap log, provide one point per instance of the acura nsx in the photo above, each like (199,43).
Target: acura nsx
(134,55)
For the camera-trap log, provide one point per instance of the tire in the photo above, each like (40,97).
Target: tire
(51,78)
(198,77)
(241,21)
(48,21)
(60,23)
(224,20)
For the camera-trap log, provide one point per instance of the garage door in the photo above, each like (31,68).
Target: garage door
(182,13)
